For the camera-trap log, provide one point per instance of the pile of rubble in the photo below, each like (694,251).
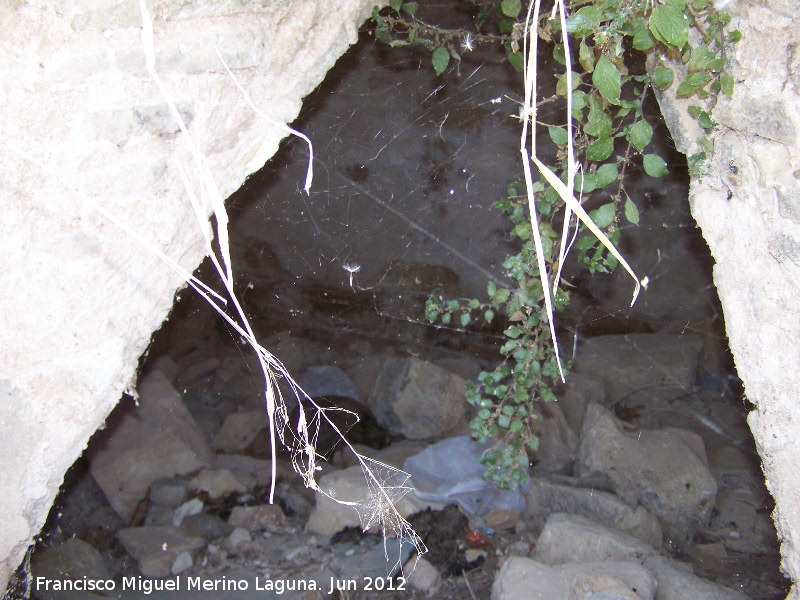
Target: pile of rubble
(646,486)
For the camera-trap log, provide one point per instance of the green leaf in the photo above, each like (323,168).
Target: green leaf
(440,59)
(561,83)
(515,58)
(446,318)
(522,231)
(558,135)
(506,25)
(702,59)
(654,165)
(600,149)
(585,57)
(606,174)
(631,212)
(585,183)
(735,36)
(606,79)
(603,216)
(513,332)
(464,319)
(692,83)
(452,304)
(578,23)
(410,8)
(640,134)
(516,426)
(726,82)
(501,296)
(396,4)
(669,26)
(663,77)
(491,288)
(488,315)
(511,8)
(643,40)
(599,129)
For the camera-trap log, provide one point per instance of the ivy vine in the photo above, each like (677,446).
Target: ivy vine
(611,136)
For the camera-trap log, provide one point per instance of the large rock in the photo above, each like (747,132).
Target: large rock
(657,469)
(573,538)
(74,559)
(419,400)
(157,439)
(677,582)
(239,430)
(545,498)
(350,485)
(81,113)
(641,363)
(156,548)
(525,578)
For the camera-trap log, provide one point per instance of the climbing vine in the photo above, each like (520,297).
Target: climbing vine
(610,136)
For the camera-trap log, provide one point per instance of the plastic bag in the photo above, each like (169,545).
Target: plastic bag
(450,472)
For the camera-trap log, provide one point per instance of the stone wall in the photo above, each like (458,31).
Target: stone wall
(748,206)
(78,298)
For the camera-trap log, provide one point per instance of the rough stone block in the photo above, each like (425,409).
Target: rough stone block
(654,468)
(639,362)
(574,538)
(156,548)
(545,498)
(525,578)
(159,438)
(419,400)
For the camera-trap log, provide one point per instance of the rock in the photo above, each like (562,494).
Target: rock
(580,390)
(238,536)
(639,363)
(499,518)
(327,381)
(156,548)
(329,517)
(558,443)
(239,430)
(294,353)
(159,515)
(423,576)
(201,369)
(363,372)
(157,439)
(525,578)
(231,366)
(294,501)
(545,498)
(217,484)
(168,492)
(573,538)
(183,562)
(654,468)
(419,400)
(192,507)
(252,472)
(466,368)
(74,559)
(677,582)
(265,517)
(167,366)
(208,527)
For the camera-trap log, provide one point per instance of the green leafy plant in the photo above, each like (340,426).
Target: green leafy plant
(606,135)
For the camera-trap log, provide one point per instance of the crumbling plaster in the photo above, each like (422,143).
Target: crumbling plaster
(748,206)
(81,116)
